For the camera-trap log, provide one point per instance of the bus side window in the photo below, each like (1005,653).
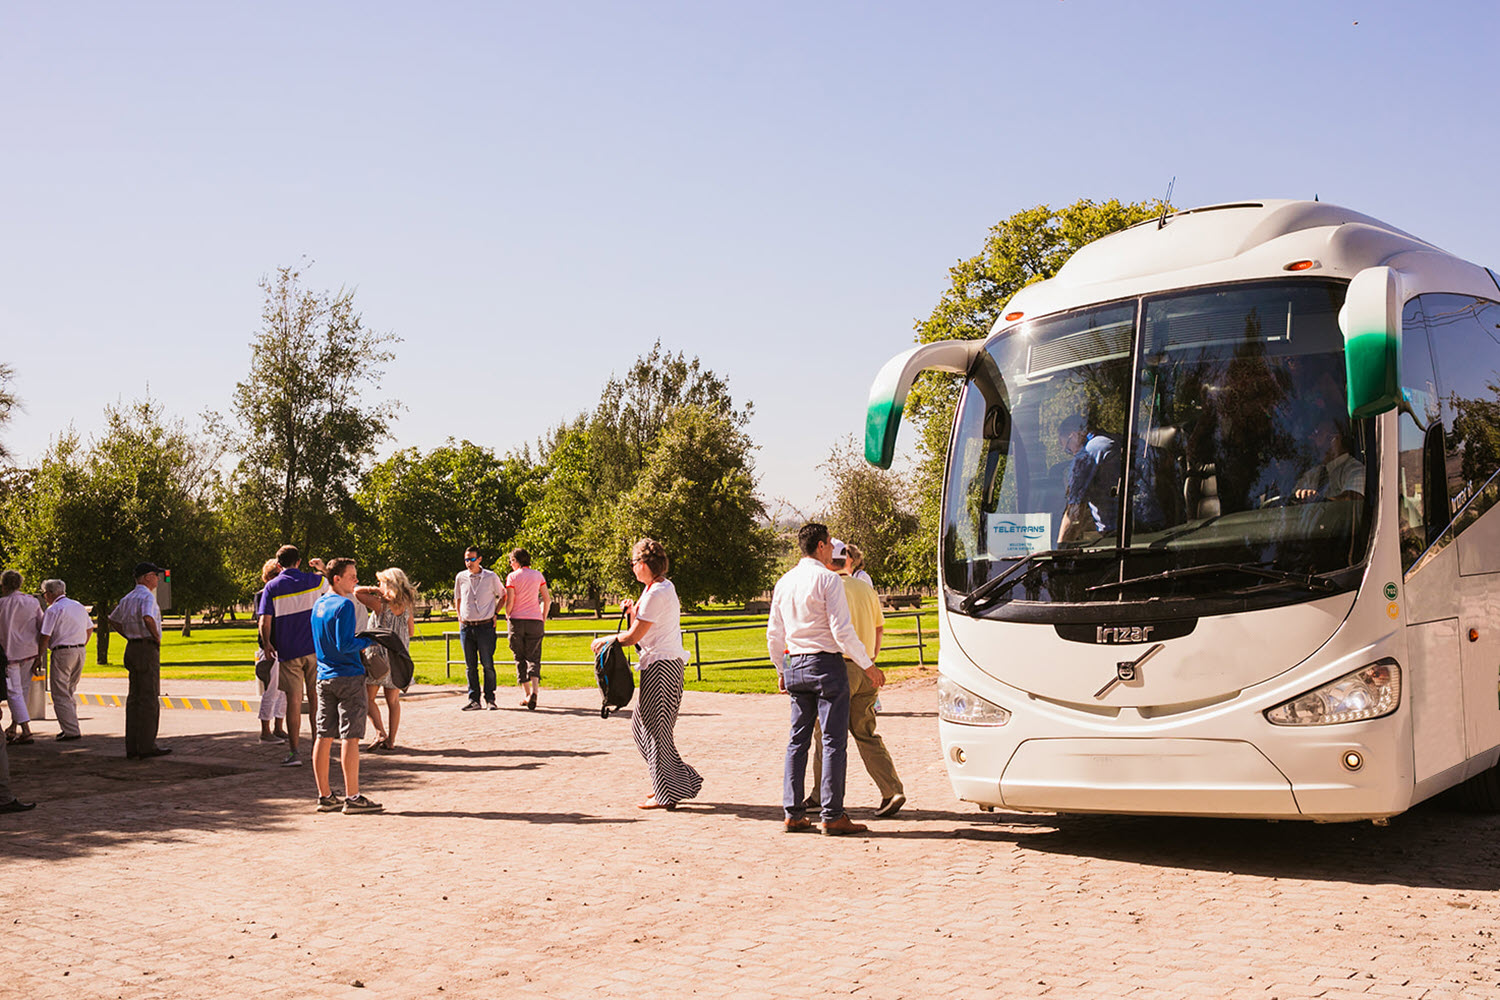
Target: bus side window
(1466,354)
(1419,414)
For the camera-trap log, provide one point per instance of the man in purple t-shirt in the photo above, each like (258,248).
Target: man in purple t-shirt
(286,631)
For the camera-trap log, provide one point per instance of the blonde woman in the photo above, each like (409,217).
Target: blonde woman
(390,606)
(656,626)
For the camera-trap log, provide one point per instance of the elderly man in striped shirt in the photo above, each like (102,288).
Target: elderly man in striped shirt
(808,636)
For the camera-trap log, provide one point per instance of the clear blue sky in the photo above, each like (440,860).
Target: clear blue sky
(531,194)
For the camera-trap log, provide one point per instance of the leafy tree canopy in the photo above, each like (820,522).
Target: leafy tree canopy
(305,429)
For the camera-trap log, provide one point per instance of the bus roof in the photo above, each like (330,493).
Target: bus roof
(1241,241)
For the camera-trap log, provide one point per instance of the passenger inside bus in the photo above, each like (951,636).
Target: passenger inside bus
(1089,499)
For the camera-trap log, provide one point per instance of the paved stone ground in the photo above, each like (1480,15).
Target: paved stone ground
(511,862)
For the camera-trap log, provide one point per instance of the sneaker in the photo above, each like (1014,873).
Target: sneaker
(360,804)
(531,702)
(472,706)
(329,803)
(492,706)
(891,806)
(291,760)
(812,803)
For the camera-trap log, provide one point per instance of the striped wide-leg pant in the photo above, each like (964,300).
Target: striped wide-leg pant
(672,780)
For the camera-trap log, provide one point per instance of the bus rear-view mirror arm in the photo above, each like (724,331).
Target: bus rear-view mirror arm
(1371,323)
(888,392)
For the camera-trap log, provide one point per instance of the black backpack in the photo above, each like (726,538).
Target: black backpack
(612,672)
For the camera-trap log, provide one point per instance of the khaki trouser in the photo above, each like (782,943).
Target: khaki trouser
(67,668)
(877,759)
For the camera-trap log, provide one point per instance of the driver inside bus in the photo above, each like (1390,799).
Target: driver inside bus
(1340,476)
(1093,478)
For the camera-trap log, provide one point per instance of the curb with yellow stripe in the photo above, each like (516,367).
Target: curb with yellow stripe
(212,704)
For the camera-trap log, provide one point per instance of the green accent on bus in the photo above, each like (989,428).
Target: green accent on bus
(882,420)
(1372,362)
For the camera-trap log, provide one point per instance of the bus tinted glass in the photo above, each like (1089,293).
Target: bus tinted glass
(1200,439)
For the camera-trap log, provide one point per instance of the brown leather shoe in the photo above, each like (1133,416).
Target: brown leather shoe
(842,827)
(798,825)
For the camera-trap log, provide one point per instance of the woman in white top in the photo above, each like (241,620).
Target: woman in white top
(656,626)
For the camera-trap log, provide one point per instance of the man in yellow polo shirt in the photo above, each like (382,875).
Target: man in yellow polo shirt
(869,625)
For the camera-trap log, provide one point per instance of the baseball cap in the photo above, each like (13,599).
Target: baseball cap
(840,550)
(142,569)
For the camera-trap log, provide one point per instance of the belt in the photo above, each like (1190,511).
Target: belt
(76,645)
(481,621)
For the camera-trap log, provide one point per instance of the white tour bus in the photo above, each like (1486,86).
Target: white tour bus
(1218,531)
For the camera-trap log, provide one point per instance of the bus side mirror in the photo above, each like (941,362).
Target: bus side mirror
(888,392)
(1371,322)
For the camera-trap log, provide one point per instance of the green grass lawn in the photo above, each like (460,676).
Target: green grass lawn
(227,652)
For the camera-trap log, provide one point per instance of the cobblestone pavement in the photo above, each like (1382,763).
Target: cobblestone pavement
(512,862)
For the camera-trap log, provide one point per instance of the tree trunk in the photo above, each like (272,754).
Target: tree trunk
(102,634)
(187,624)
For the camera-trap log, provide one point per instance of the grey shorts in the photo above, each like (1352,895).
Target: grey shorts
(342,708)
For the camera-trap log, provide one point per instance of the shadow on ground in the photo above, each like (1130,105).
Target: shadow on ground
(1430,846)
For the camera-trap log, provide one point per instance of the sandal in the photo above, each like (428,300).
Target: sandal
(379,744)
(20,741)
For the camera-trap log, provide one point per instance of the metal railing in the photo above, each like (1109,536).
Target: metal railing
(697,632)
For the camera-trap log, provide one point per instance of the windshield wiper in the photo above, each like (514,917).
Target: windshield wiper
(1307,580)
(1021,566)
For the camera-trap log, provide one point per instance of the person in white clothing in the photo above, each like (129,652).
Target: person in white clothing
(477,593)
(656,627)
(20,635)
(66,628)
(1340,476)
(808,636)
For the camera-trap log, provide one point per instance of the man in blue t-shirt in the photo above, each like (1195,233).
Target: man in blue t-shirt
(286,632)
(341,690)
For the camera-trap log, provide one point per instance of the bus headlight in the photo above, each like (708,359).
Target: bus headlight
(956,704)
(1367,693)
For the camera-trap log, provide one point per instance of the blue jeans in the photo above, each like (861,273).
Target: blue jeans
(819,688)
(478,642)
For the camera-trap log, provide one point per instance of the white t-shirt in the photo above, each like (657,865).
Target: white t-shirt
(659,606)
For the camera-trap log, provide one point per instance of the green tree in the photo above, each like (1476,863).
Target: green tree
(875,509)
(696,495)
(566,526)
(420,511)
(306,430)
(1029,246)
(633,410)
(8,402)
(141,491)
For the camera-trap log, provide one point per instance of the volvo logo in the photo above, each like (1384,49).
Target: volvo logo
(1123,633)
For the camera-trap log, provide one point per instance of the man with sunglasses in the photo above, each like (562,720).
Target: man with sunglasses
(477,593)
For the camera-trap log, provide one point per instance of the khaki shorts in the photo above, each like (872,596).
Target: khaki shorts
(299,674)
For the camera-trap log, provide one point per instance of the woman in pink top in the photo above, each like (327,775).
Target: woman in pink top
(526,603)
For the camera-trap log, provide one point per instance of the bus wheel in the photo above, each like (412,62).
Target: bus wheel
(1481,793)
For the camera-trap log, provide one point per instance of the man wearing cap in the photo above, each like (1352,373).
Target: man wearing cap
(869,623)
(808,635)
(66,628)
(138,618)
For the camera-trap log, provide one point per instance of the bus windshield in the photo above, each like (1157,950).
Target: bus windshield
(1190,446)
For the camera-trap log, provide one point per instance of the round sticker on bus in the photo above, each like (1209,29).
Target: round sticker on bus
(1393,610)
(1390,591)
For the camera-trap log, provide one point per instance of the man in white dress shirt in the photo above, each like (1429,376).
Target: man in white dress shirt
(808,635)
(66,628)
(477,594)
